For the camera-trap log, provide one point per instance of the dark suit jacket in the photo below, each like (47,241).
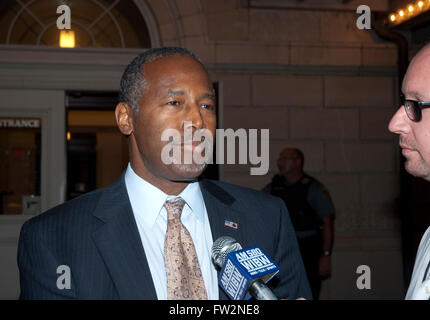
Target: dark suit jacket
(96,236)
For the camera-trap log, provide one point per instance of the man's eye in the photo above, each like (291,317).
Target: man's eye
(207,106)
(174,103)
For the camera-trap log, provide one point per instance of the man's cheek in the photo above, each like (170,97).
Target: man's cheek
(426,157)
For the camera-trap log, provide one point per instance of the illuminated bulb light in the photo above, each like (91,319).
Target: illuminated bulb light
(67,39)
(409,12)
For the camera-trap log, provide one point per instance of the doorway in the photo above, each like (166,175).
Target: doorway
(97,152)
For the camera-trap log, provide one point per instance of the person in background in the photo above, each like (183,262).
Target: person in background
(312,213)
(412,123)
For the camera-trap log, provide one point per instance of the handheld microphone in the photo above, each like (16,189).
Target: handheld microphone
(245,272)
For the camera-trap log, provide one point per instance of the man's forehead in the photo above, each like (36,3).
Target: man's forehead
(172,71)
(288,153)
(416,83)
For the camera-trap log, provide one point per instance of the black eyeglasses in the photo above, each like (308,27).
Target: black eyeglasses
(413,108)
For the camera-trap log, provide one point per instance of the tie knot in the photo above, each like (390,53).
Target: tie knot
(174,207)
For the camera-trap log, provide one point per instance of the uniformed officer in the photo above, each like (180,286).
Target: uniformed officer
(312,213)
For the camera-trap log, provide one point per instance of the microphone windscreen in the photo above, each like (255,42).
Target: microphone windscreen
(222,247)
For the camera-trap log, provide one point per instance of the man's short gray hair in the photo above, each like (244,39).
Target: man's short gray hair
(133,80)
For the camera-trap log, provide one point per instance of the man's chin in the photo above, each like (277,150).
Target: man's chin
(419,170)
(188,172)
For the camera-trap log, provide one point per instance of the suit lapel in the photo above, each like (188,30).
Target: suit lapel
(219,206)
(119,244)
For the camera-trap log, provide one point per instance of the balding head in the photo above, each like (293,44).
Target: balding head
(416,83)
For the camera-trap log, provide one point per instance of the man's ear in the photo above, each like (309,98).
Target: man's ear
(124,118)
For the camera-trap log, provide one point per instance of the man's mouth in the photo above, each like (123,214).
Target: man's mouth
(191,145)
(406,149)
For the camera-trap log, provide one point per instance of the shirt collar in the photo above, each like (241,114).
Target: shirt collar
(147,200)
(194,199)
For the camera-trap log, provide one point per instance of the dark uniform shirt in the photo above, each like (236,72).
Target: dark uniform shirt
(307,200)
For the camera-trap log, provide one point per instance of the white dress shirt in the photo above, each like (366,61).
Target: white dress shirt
(419,287)
(147,202)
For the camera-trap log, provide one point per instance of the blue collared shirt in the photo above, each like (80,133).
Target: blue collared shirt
(147,202)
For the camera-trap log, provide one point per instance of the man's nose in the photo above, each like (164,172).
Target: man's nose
(399,122)
(194,116)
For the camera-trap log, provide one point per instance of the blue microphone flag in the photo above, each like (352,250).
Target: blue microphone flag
(242,267)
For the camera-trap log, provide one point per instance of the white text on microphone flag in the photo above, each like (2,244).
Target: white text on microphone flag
(244,266)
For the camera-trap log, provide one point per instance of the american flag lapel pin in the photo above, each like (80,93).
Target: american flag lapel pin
(230,224)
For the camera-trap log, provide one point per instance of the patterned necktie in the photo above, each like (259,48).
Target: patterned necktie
(184,277)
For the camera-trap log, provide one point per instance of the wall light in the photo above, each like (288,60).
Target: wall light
(67,39)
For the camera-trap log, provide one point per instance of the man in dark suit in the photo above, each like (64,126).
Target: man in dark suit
(113,243)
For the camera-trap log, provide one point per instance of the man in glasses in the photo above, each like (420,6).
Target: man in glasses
(412,123)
